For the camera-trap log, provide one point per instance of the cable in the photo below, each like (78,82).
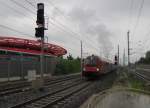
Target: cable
(13,9)
(30,3)
(138,17)
(22,33)
(52,4)
(76,35)
(130,12)
(20,5)
(14,30)
(67,27)
(70,31)
(30,10)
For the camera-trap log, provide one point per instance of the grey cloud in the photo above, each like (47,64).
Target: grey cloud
(89,23)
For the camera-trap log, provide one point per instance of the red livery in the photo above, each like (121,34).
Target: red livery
(96,66)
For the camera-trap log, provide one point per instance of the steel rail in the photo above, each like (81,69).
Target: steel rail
(50,94)
(27,86)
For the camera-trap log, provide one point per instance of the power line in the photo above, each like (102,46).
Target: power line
(138,17)
(14,30)
(70,31)
(130,12)
(67,27)
(30,3)
(15,10)
(20,5)
(22,33)
(34,14)
(52,4)
(51,22)
(76,35)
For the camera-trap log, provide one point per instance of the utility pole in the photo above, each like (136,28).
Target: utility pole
(128,33)
(118,54)
(81,56)
(22,72)
(124,57)
(42,58)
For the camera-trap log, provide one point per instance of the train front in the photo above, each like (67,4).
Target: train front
(90,67)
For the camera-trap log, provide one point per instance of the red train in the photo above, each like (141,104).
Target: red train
(95,66)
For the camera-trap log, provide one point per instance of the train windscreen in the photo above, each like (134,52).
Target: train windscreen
(91,61)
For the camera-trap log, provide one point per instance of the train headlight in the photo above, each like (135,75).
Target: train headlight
(84,69)
(97,69)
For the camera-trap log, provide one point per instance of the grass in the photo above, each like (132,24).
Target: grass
(134,82)
(126,79)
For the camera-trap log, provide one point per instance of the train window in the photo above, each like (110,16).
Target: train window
(92,61)
(86,61)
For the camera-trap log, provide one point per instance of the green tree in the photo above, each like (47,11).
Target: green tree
(145,60)
(148,55)
(70,57)
(67,66)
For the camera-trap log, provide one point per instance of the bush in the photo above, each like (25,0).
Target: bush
(67,66)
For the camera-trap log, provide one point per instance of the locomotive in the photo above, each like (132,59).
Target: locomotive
(94,66)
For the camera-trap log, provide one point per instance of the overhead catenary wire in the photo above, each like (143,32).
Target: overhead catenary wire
(13,9)
(63,27)
(131,2)
(20,32)
(30,3)
(138,17)
(75,33)
(70,32)
(14,30)
(23,33)
(17,31)
(18,4)
(67,17)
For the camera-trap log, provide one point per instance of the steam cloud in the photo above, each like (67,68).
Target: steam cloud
(89,24)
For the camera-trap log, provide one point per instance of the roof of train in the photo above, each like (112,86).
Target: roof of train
(102,59)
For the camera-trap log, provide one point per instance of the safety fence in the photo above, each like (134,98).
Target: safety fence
(17,67)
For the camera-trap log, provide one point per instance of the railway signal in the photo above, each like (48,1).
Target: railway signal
(128,34)
(40,14)
(116,60)
(39,31)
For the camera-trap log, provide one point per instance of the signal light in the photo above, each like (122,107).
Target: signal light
(116,60)
(40,14)
(39,32)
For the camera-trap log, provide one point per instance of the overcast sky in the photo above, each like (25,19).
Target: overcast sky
(100,24)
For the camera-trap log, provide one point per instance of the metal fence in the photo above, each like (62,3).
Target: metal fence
(17,67)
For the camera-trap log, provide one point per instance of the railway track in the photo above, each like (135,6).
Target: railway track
(22,97)
(70,96)
(53,98)
(64,94)
(25,86)
(143,77)
(142,74)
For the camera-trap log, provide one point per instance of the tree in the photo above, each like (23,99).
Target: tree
(148,55)
(145,60)
(67,66)
(70,57)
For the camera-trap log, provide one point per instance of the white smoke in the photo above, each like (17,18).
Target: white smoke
(89,24)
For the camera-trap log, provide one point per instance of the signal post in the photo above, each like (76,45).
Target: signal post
(39,33)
